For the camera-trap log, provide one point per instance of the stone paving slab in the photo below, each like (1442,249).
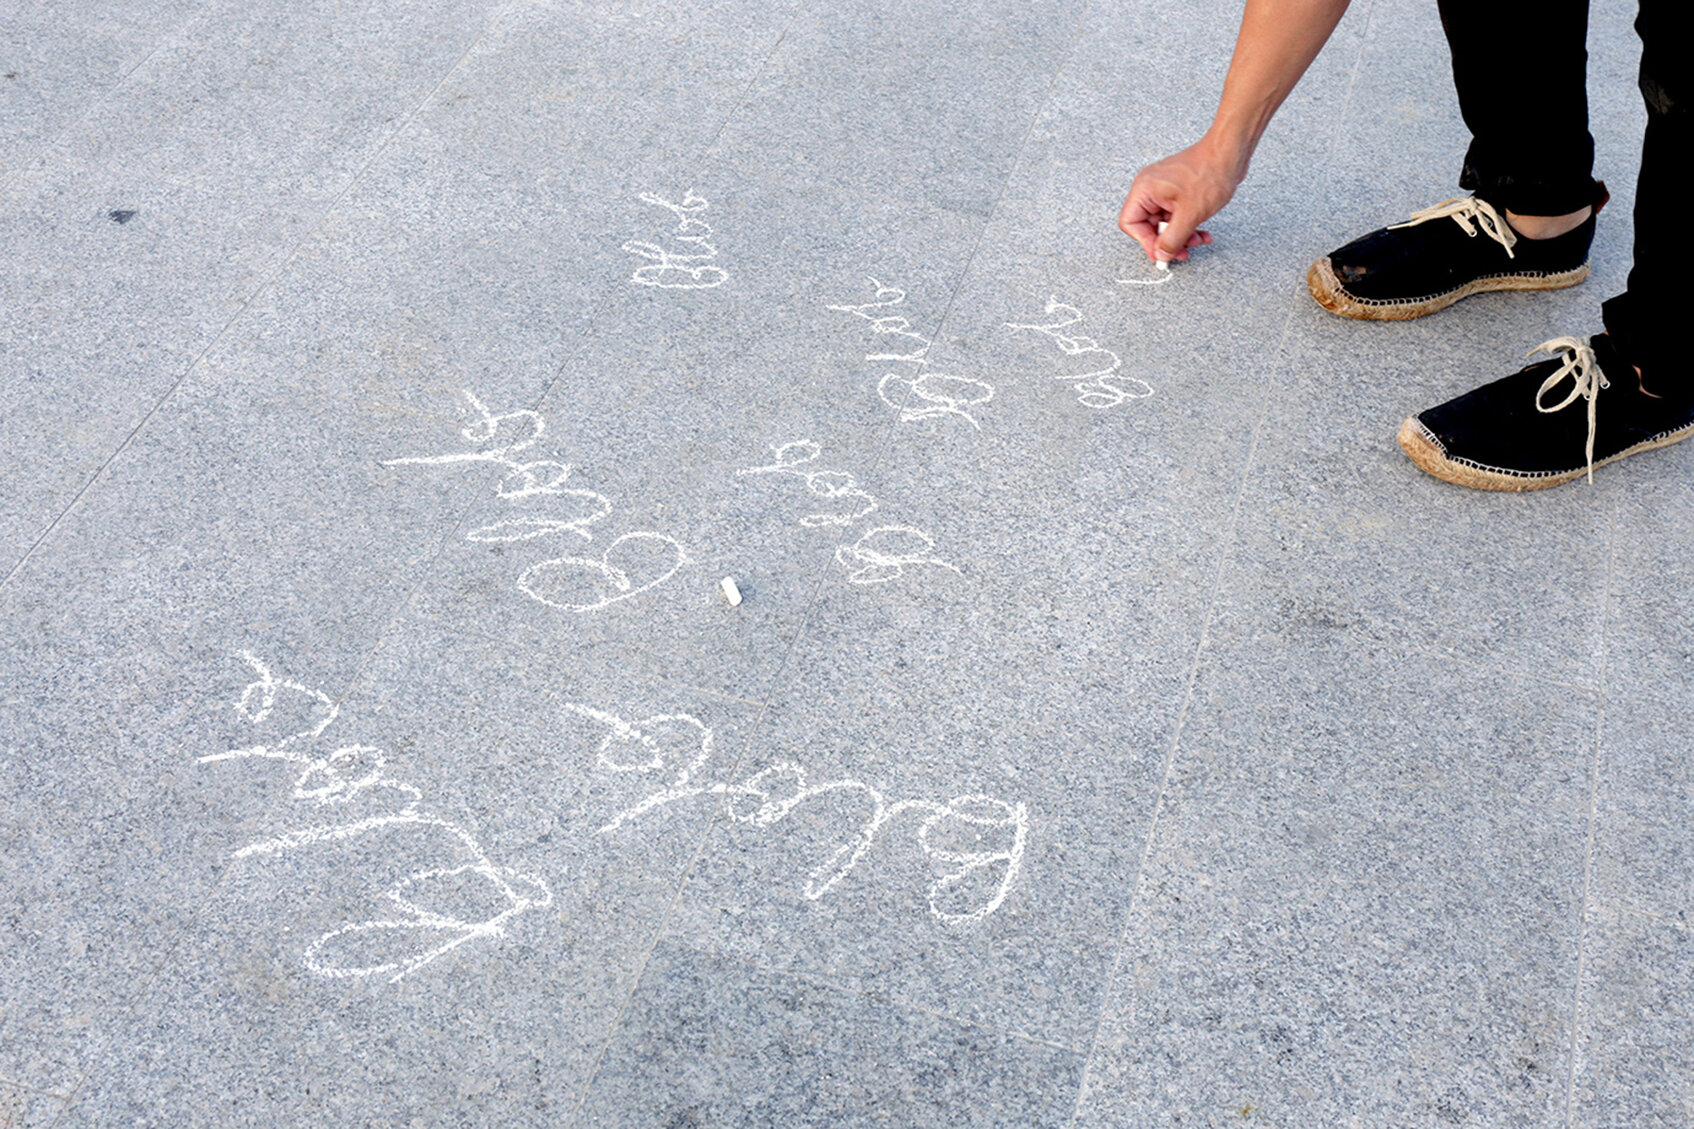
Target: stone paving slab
(62,62)
(167,205)
(1296,891)
(921,105)
(542,937)
(28,1108)
(482,243)
(1637,1000)
(236,506)
(1115,728)
(1656,654)
(713,1042)
(1641,851)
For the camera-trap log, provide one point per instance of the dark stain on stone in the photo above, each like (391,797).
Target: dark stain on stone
(1450,1107)
(122,215)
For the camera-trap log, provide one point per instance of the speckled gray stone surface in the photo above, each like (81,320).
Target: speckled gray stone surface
(155,218)
(62,62)
(1328,937)
(1638,1000)
(1115,729)
(711,1041)
(28,1109)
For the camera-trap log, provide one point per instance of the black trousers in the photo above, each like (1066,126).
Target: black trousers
(1520,67)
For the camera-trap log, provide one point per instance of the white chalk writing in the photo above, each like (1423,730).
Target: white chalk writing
(878,556)
(631,565)
(916,394)
(1101,388)
(428,918)
(671,270)
(582,584)
(884,553)
(976,841)
(835,485)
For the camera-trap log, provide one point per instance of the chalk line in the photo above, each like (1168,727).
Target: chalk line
(562,571)
(773,793)
(340,777)
(545,479)
(645,735)
(883,561)
(537,478)
(529,528)
(831,484)
(694,269)
(940,393)
(932,388)
(895,324)
(879,555)
(1102,388)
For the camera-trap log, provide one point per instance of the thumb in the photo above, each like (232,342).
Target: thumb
(1172,242)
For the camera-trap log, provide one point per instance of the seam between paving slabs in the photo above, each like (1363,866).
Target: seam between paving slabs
(128,1010)
(147,983)
(878,457)
(1035,119)
(612,289)
(350,684)
(46,146)
(391,621)
(25,1087)
(286,261)
(663,923)
(1440,656)
(1225,555)
(1572,1059)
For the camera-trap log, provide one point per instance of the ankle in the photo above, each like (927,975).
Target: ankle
(1548,227)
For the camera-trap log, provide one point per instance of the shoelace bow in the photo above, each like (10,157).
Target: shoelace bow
(1587,378)
(1469,213)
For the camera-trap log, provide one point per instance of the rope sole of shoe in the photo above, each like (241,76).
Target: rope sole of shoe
(1423,450)
(1333,296)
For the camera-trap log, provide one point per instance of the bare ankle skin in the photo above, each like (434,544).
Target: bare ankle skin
(1547,227)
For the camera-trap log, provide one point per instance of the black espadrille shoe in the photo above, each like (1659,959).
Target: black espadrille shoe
(1511,435)
(1445,253)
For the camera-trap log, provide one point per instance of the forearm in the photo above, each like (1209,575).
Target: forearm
(1171,198)
(1278,41)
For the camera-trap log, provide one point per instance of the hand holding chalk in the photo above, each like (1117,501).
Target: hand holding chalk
(1163,265)
(1186,189)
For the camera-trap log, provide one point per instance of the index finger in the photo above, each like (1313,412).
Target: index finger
(1140,218)
(1181,232)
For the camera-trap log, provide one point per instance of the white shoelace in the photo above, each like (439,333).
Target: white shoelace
(1469,213)
(1587,378)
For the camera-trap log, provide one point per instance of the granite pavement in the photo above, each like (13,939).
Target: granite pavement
(1115,729)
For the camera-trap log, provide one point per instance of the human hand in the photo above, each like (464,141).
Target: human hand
(1182,191)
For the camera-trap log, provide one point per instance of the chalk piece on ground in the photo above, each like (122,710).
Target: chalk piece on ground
(730,591)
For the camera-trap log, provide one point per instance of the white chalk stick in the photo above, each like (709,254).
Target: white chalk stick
(730,591)
(1162,226)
